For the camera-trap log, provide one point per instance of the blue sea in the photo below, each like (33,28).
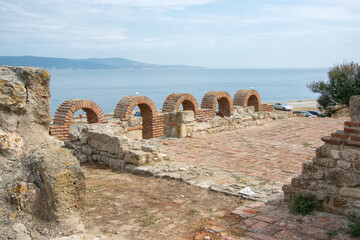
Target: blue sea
(107,87)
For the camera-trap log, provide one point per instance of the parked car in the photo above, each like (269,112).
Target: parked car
(137,114)
(317,113)
(283,106)
(308,114)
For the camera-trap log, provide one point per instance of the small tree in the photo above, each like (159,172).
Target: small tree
(344,82)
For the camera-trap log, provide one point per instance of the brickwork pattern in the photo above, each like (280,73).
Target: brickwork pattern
(65,112)
(152,119)
(211,99)
(174,101)
(205,114)
(153,122)
(266,108)
(248,97)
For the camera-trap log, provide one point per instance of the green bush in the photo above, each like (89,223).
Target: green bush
(304,204)
(344,82)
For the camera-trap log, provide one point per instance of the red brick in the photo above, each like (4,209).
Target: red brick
(352,124)
(331,140)
(355,138)
(260,236)
(338,135)
(271,230)
(351,130)
(259,225)
(265,218)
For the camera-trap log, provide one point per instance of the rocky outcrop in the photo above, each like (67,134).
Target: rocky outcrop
(41,185)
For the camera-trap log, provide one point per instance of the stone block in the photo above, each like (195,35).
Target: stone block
(149,148)
(310,171)
(83,138)
(328,150)
(135,134)
(182,131)
(335,154)
(325,162)
(104,160)
(299,182)
(86,150)
(331,189)
(340,177)
(350,192)
(116,163)
(185,116)
(344,164)
(356,204)
(351,154)
(136,157)
(356,167)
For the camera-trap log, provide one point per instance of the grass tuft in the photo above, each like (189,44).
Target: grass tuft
(304,204)
(354,226)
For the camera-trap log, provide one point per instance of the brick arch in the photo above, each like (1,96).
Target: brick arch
(173,102)
(249,97)
(211,99)
(65,112)
(152,120)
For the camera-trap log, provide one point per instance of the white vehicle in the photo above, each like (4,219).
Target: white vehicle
(283,106)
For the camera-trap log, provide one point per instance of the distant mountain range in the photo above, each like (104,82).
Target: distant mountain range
(89,63)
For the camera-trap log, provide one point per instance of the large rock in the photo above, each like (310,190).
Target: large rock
(38,180)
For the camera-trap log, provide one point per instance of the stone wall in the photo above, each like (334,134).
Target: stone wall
(333,175)
(107,145)
(184,124)
(41,185)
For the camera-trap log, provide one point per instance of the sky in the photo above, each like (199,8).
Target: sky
(208,33)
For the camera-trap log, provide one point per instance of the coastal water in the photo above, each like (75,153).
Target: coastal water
(107,87)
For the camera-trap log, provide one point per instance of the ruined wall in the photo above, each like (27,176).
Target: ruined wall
(154,123)
(184,124)
(105,144)
(40,183)
(334,173)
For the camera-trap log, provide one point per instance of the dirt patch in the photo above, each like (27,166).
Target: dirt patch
(125,206)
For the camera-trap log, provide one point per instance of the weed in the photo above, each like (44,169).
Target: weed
(193,211)
(304,204)
(148,219)
(211,210)
(332,233)
(306,144)
(93,204)
(354,226)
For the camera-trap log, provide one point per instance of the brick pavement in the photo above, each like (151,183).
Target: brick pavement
(274,151)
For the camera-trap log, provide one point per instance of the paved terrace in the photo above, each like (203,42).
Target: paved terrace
(274,151)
